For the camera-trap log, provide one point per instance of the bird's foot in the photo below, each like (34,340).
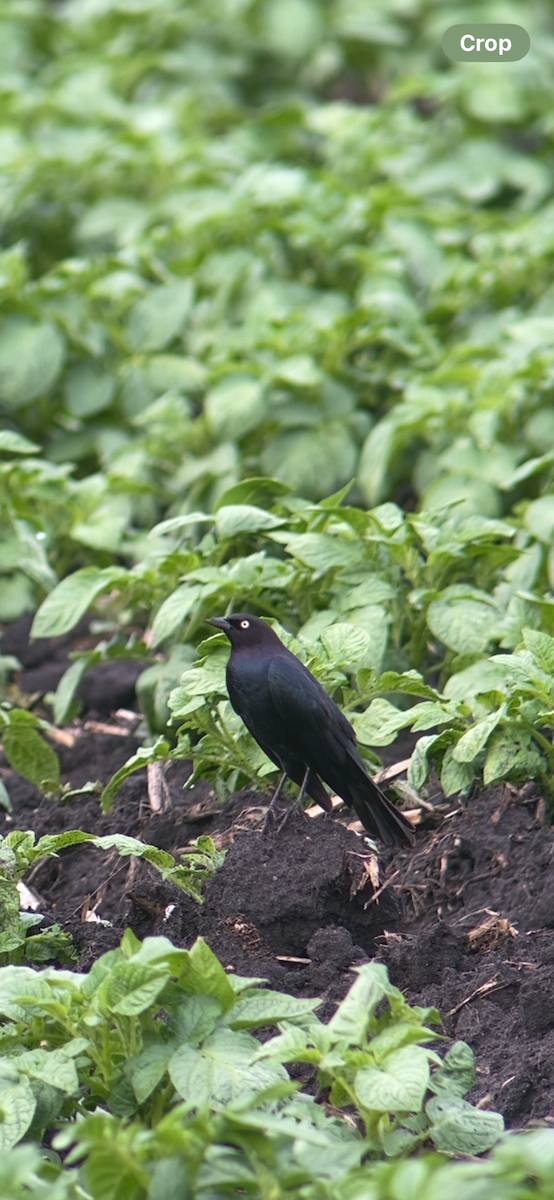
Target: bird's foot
(274,819)
(295,810)
(277,819)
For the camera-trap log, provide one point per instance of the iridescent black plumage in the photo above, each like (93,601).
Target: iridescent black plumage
(300,727)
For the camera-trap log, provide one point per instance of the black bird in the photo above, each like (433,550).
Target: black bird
(300,727)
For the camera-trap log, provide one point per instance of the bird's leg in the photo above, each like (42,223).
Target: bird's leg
(278,790)
(302,792)
(270,814)
(298,806)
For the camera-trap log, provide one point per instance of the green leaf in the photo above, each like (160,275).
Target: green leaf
(199,860)
(154,685)
(22,990)
(398,1142)
(380,723)
(459,1128)
(104,528)
(143,756)
(71,599)
(203,972)
(410,682)
(235,406)
(132,987)
(12,934)
(55,1067)
(232,519)
(258,490)
(29,754)
(375,460)
(195,1017)
(88,390)
(174,523)
(17,1109)
(334,501)
(455,776)
(112,221)
(541,647)
(351,1020)
(539,518)
(170,1179)
(389,517)
(531,1153)
(173,611)
(466,686)
(475,739)
(31,557)
(300,371)
(31,358)
(159,316)
(66,689)
(419,768)
(205,680)
(147,1069)
(457,1074)
(125,844)
(174,373)
(223,1071)
(429,713)
(52,943)
(293,1044)
(320,550)
(399,1084)
(268,1008)
(401,1033)
(466,626)
(5,801)
(14,443)
(111,1173)
(512,754)
(50,843)
(314,461)
(347,645)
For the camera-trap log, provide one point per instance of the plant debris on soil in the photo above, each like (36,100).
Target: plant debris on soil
(464,921)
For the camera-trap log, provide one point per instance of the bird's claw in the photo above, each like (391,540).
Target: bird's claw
(278,819)
(272,820)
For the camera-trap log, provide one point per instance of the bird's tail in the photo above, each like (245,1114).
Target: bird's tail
(377,814)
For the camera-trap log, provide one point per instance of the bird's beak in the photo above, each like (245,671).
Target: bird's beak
(219,623)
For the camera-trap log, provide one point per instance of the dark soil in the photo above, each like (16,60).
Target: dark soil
(465,921)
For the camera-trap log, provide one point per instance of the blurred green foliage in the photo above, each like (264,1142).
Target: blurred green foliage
(283,238)
(252,251)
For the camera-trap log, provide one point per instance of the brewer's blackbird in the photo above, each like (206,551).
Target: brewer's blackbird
(300,727)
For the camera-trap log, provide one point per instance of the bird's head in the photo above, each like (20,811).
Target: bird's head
(244,630)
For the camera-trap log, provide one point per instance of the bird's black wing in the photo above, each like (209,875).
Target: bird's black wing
(322,738)
(249,693)
(318,732)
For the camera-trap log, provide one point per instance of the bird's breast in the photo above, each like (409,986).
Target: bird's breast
(250,695)
(247,682)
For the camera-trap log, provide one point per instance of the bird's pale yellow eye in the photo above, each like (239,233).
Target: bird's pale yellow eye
(245,624)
